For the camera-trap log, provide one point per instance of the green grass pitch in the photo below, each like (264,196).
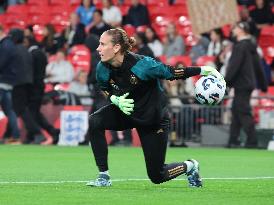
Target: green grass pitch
(56,176)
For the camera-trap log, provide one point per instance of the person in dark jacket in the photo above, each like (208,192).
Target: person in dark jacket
(132,83)
(75,33)
(8,68)
(141,45)
(22,91)
(137,14)
(98,26)
(244,73)
(39,63)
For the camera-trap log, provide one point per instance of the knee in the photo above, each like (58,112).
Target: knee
(94,122)
(155,178)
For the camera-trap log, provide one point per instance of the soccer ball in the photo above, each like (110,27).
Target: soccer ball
(209,90)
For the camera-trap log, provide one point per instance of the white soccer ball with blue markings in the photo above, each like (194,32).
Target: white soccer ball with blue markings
(209,90)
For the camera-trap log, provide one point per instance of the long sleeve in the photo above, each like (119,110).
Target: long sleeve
(234,64)
(148,68)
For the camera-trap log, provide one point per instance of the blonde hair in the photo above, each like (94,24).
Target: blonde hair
(119,36)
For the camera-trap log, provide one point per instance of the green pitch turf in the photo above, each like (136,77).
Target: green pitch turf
(56,176)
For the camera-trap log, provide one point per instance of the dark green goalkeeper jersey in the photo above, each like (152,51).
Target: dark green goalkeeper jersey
(140,77)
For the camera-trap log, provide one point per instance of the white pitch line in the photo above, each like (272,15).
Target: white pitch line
(124,180)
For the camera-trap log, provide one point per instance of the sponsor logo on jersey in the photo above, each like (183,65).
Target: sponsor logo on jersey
(133,80)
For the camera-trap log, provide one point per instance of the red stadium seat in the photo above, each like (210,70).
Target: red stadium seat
(39,19)
(128,2)
(17,9)
(80,50)
(39,10)
(180,2)
(129,29)
(58,2)
(81,63)
(226,30)
(186,60)
(159,3)
(186,31)
(124,9)
(266,37)
(160,30)
(16,21)
(80,58)
(203,60)
(59,22)
(75,2)
(60,10)
(162,58)
(3,18)
(38,2)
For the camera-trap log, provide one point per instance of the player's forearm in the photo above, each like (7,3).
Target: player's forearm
(192,71)
(184,72)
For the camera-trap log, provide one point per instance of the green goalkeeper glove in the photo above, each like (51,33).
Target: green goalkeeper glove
(209,70)
(125,105)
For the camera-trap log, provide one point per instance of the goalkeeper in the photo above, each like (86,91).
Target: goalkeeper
(132,83)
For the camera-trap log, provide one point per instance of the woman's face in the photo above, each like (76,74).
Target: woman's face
(149,34)
(45,31)
(82,78)
(106,49)
(171,29)
(214,36)
(86,3)
(259,3)
(106,3)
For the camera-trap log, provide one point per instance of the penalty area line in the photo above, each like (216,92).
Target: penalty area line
(127,180)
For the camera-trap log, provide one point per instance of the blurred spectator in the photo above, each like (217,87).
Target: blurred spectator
(75,33)
(179,94)
(111,14)
(3,6)
(141,45)
(61,97)
(200,48)
(137,14)
(51,41)
(85,11)
(79,85)
(244,71)
(154,42)
(28,32)
(60,70)
(98,26)
(245,16)
(215,45)
(8,67)
(173,43)
(39,62)
(224,56)
(245,2)
(262,14)
(92,42)
(121,138)
(22,91)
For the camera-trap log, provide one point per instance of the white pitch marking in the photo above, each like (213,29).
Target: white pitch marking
(124,180)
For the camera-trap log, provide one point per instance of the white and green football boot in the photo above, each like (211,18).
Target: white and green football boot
(103,180)
(193,176)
